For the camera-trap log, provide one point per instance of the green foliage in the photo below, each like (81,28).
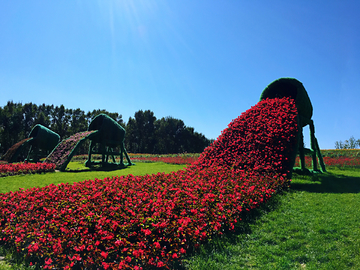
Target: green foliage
(168,135)
(10,130)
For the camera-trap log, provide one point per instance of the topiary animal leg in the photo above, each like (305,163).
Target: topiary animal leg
(123,150)
(313,145)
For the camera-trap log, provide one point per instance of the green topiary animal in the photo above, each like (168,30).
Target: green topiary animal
(294,89)
(109,136)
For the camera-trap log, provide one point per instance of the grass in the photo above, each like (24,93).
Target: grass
(77,172)
(314,225)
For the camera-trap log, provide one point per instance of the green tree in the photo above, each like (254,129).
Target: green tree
(78,122)
(140,132)
(144,133)
(29,112)
(171,132)
(11,127)
(351,143)
(60,121)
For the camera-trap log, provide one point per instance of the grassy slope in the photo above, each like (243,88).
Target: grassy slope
(313,226)
(79,173)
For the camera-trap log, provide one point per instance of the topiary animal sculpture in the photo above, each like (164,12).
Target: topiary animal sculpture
(109,136)
(294,89)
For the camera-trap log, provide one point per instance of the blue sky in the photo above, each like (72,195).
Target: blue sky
(202,61)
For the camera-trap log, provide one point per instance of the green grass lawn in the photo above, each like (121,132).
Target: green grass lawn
(77,172)
(314,225)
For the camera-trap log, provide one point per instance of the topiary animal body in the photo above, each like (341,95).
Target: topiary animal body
(294,89)
(41,140)
(261,139)
(44,140)
(110,135)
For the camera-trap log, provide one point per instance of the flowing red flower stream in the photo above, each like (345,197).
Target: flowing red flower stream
(137,222)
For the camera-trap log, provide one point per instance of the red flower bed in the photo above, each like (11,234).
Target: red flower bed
(148,221)
(129,221)
(25,168)
(262,138)
(167,159)
(340,162)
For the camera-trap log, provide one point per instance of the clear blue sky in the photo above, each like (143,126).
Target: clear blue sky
(202,61)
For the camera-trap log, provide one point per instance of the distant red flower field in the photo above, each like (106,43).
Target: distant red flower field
(7,169)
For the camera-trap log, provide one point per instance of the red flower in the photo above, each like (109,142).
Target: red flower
(104,254)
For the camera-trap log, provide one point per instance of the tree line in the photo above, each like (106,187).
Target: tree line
(351,143)
(144,132)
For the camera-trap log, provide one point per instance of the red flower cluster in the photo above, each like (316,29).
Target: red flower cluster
(167,159)
(25,168)
(148,221)
(340,162)
(129,221)
(262,139)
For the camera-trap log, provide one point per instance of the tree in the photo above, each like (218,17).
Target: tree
(11,121)
(174,137)
(29,111)
(140,132)
(60,121)
(78,121)
(168,129)
(352,143)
